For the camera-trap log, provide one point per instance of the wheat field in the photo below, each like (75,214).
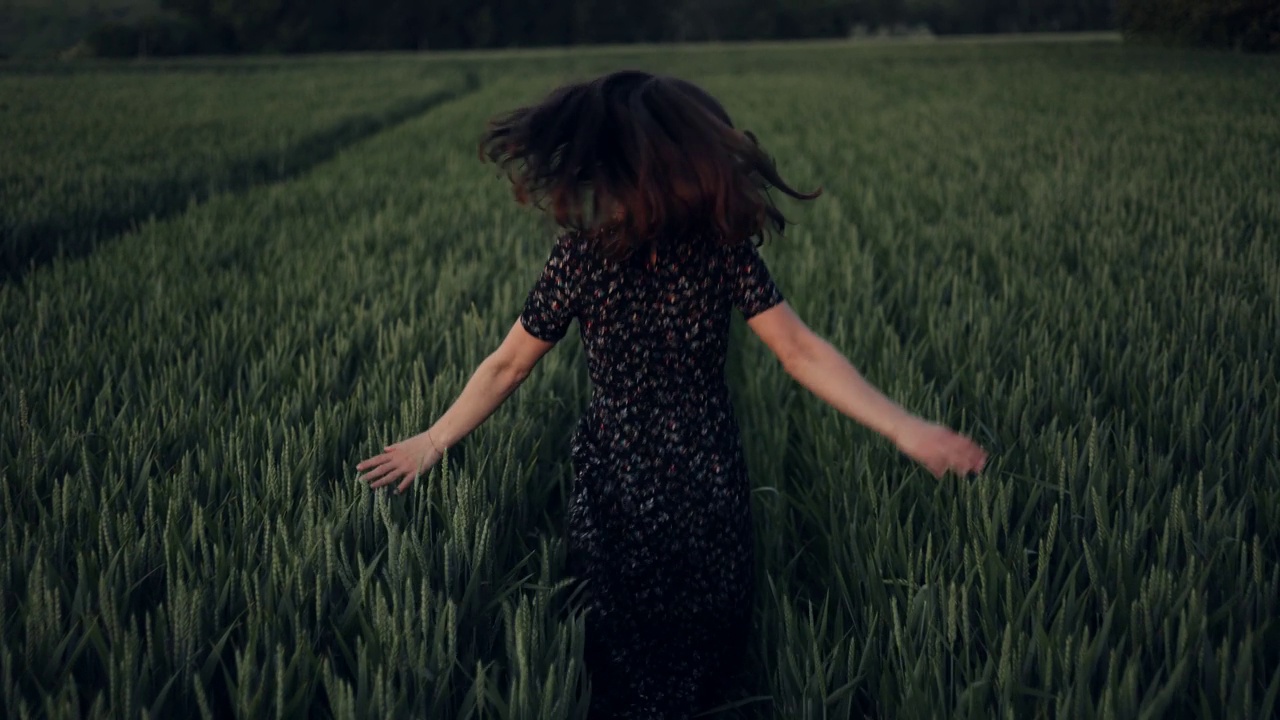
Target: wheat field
(227,281)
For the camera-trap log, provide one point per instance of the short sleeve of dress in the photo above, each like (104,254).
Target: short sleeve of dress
(752,286)
(549,308)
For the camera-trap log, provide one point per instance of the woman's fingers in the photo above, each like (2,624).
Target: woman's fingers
(386,466)
(391,470)
(979,459)
(371,462)
(955,453)
(394,465)
(384,478)
(978,456)
(972,457)
(397,471)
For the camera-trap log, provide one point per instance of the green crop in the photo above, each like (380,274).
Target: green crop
(1069,251)
(90,155)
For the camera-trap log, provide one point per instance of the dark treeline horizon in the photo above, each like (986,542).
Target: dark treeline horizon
(337,25)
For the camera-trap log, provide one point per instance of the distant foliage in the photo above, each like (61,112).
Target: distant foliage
(1250,25)
(239,26)
(46,28)
(153,35)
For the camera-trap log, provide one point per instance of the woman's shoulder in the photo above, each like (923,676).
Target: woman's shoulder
(574,243)
(604,247)
(589,245)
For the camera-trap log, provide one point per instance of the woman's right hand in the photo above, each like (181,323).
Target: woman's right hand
(939,449)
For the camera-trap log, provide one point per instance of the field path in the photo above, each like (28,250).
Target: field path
(162,165)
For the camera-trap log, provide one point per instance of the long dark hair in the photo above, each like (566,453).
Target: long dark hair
(646,154)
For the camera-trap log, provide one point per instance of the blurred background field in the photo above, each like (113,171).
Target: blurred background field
(233,279)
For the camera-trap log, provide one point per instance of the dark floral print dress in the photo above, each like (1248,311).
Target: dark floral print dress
(659,523)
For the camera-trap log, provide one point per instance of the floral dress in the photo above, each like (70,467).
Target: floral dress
(659,522)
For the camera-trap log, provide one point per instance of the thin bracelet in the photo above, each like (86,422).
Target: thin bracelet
(433,444)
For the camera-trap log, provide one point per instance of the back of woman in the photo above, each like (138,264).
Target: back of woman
(659,519)
(663,202)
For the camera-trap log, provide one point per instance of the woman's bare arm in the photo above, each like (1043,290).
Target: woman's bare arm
(820,368)
(490,385)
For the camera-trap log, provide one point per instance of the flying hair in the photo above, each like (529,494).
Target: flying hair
(647,155)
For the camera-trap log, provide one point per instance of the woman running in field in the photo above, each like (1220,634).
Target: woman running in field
(662,200)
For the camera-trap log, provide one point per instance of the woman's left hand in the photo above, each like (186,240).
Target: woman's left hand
(406,459)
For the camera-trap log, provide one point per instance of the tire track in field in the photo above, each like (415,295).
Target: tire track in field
(168,199)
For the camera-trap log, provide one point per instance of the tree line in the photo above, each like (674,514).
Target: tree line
(1248,25)
(294,26)
(287,26)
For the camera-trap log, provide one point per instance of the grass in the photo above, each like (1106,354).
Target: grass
(1066,250)
(94,154)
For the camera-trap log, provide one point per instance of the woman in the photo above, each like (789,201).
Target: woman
(662,200)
